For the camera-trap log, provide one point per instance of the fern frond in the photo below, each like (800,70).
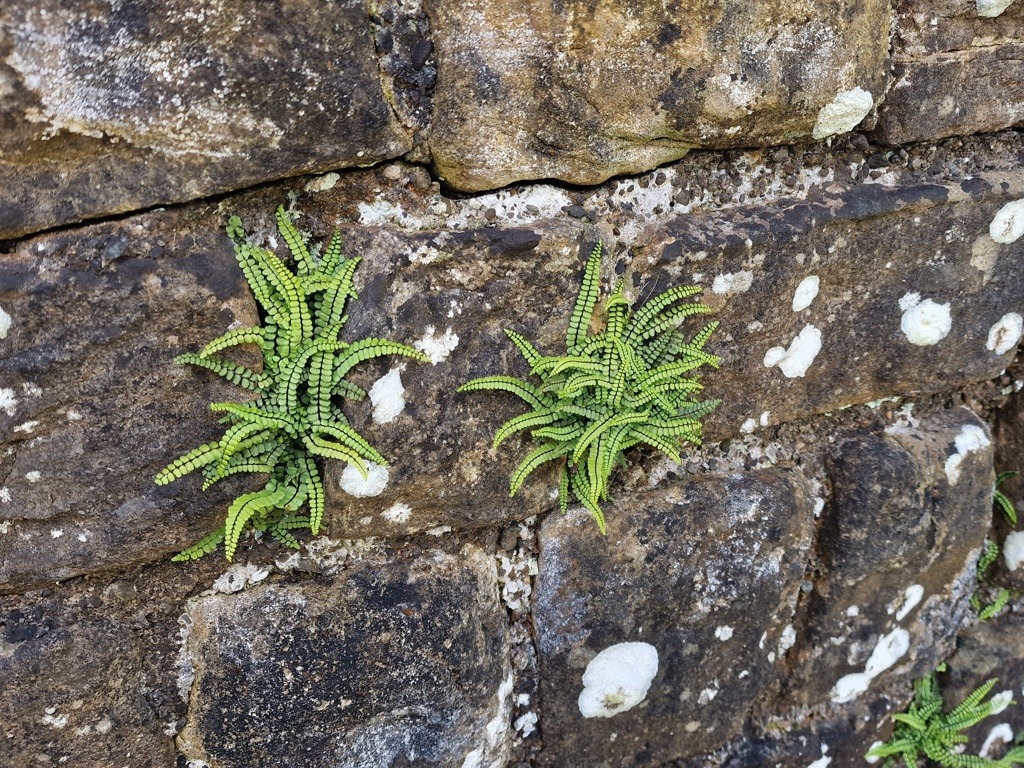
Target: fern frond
(233,338)
(521,389)
(317,446)
(347,436)
(582,313)
(294,241)
(193,460)
(367,349)
(204,546)
(331,309)
(238,375)
(526,349)
(533,460)
(525,421)
(245,507)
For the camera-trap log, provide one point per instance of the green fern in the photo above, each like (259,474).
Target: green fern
(626,383)
(1001,500)
(925,731)
(294,416)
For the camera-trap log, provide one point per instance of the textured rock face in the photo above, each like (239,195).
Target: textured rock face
(86,374)
(120,106)
(955,72)
(908,515)
(864,291)
(585,91)
(706,573)
(89,671)
(400,663)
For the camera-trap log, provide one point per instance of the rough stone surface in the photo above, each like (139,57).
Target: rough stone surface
(898,544)
(581,92)
(89,671)
(94,407)
(390,663)
(883,252)
(110,107)
(707,573)
(955,72)
(991,649)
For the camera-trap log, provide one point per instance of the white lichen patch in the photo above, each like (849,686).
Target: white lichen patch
(805,293)
(437,348)
(388,396)
(34,476)
(1013,550)
(748,426)
(1001,734)
(843,113)
(911,597)
(822,762)
(970,439)
(1008,224)
(787,639)
(56,533)
(28,426)
(1005,334)
(323,183)
(733,282)
(353,483)
(8,402)
(5,323)
(54,720)
(890,649)
(617,679)
(795,361)
(238,577)
(723,633)
(1001,701)
(924,322)
(397,514)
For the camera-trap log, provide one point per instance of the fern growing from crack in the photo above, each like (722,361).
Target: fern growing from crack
(294,418)
(630,382)
(924,730)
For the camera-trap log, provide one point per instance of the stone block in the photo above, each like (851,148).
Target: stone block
(583,92)
(397,662)
(691,592)
(112,107)
(954,72)
(899,540)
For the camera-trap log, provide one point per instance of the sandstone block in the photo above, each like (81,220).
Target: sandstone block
(582,92)
(111,107)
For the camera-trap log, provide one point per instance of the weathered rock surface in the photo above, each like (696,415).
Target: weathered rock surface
(97,316)
(908,515)
(581,92)
(707,573)
(92,405)
(990,649)
(861,292)
(390,663)
(955,72)
(112,107)
(89,671)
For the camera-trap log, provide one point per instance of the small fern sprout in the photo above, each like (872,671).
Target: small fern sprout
(631,383)
(295,416)
(1003,501)
(924,731)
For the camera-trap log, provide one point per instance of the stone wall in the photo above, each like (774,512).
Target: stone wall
(844,178)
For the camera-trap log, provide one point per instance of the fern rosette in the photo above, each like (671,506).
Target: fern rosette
(294,416)
(924,731)
(632,382)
